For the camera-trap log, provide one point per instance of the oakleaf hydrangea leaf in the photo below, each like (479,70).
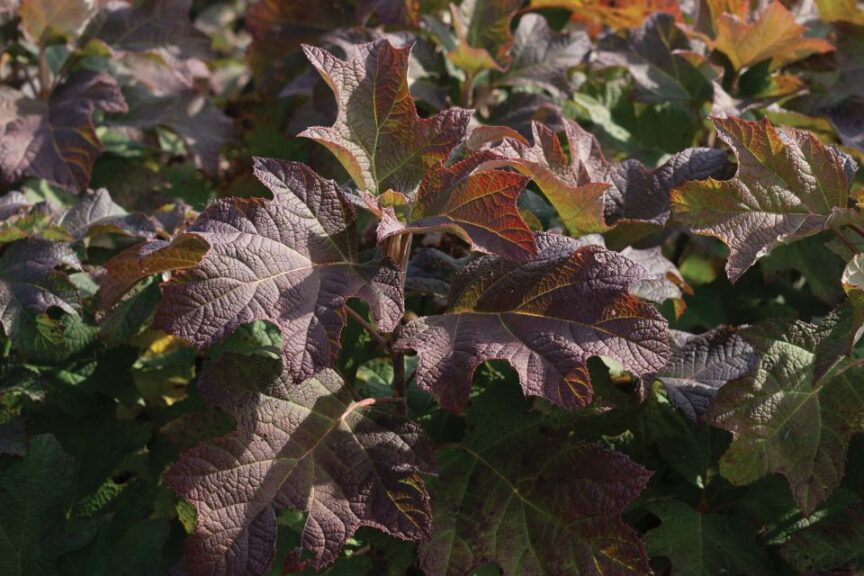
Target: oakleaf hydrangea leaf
(30,283)
(658,56)
(565,182)
(788,185)
(831,543)
(530,500)
(291,261)
(591,193)
(137,262)
(542,57)
(34,494)
(66,17)
(613,13)
(378,136)
(308,446)
(545,317)
(705,544)
(154,25)
(483,37)
(794,416)
(773,34)
(405,12)
(97,213)
(477,204)
(702,364)
(56,140)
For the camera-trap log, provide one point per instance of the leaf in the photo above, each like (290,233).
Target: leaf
(794,416)
(543,58)
(203,127)
(33,493)
(530,500)
(546,318)
(705,544)
(483,34)
(830,543)
(788,185)
(565,183)
(306,446)
(30,284)
(56,140)
(96,213)
(66,17)
(404,12)
(429,272)
(773,34)
(589,192)
(614,13)
(124,270)
(665,281)
(852,281)
(658,56)
(153,25)
(378,136)
(476,204)
(291,261)
(702,364)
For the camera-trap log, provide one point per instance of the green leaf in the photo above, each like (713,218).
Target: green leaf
(705,544)
(530,500)
(33,528)
(795,415)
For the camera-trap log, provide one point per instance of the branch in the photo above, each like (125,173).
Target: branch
(379,339)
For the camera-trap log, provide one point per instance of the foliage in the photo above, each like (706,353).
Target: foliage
(399,287)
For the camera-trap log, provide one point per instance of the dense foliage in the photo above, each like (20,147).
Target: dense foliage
(393,287)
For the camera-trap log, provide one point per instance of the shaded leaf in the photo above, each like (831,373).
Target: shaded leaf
(291,261)
(658,56)
(429,272)
(853,284)
(203,127)
(542,57)
(665,281)
(546,318)
(705,544)
(405,12)
(477,204)
(307,446)
(530,500)
(153,25)
(831,543)
(33,494)
(30,284)
(378,136)
(773,34)
(794,416)
(56,140)
(97,213)
(702,364)
(788,185)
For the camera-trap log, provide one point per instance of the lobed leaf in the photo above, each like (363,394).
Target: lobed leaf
(476,204)
(795,415)
(378,136)
(545,317)
(291,261)
(56,140)
(702,364)
(483,37)
(307,446)
(788,185)
(530,500)
(153,25)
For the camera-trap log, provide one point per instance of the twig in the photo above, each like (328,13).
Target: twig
(857,229)
(400,386)
(379,339)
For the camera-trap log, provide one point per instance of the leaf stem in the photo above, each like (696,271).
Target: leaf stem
(845,241)
(44,70)
(857,229)
(466,95)
(400,385)
(379,339)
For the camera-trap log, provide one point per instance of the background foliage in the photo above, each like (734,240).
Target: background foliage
(385,287)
